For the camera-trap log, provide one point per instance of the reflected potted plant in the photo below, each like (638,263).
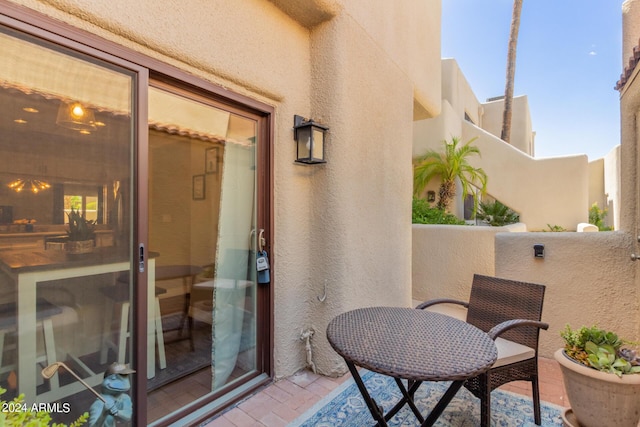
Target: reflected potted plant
(81,233)
(600,372)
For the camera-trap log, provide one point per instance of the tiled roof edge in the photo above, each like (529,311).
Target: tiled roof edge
(633,62)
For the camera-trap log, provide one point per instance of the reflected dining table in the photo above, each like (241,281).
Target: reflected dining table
(413,345)
(30,267)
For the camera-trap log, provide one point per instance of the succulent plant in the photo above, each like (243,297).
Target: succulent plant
(80,228)
(601,350)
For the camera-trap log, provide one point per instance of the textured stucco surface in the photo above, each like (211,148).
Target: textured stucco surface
(445,258)
(521,128)
(349,64)
(590,279)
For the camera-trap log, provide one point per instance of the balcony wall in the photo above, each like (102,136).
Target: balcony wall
(589,276)
(445,257)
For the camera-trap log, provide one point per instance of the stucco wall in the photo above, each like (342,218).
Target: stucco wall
(612,187)
(604,186)
(445,258)
(457,91)
(596,183)
(530,186)
(521,127)
(526,184)
(589,278)
(629,144)
(349,64)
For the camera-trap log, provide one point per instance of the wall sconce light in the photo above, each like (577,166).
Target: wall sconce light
(73,115)
(309,136)
(431,196)
(538,250)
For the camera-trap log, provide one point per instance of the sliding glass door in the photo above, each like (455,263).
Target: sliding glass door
(131,216)
(66,196)
(202,230)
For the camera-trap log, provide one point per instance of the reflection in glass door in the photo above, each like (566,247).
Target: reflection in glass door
(66,139)
(202,232)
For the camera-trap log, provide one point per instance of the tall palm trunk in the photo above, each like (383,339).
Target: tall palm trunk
(446,193)
(511,71)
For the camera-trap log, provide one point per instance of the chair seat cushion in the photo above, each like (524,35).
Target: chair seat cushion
(511,352)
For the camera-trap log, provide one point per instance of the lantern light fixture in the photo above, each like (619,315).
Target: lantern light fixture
(74,115)
(310,139)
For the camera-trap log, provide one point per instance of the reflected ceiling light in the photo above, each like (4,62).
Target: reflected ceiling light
(30,110)
(20,121)
(35,185)
(74,115)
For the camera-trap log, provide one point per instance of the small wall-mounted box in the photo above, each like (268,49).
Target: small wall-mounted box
(538,250)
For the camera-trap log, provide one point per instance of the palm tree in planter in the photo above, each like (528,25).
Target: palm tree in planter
(601,376)
(449,165)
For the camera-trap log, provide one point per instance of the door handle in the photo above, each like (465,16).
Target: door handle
(261,240)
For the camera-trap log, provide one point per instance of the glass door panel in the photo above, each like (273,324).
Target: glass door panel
(66,144)
(202,227)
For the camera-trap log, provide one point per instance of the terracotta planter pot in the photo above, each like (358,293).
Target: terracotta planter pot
(598,398)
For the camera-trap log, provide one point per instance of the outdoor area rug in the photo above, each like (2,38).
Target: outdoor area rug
(345,407)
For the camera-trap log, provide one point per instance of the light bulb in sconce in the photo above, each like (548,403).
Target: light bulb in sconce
(77,112)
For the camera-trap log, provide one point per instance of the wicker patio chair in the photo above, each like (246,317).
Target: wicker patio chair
(510,312)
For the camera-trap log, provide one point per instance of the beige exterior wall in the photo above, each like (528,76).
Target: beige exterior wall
(349,64)
(457,91)
(530,186)
(612,187)
(522,135)
(526,184)
(445,258)
(589,279)
(596,183)
(604,186)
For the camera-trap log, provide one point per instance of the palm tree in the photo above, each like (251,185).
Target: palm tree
(511,71)
(449,165)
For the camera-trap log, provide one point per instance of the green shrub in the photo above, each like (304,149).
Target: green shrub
(597,216)
(22,415)
(423,213)
(496,214)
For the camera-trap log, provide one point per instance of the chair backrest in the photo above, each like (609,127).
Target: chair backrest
(494,300)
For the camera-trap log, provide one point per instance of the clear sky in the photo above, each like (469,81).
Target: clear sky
(569,58)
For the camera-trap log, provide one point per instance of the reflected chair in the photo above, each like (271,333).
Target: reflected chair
(48,316)
(119,294)
(510,312)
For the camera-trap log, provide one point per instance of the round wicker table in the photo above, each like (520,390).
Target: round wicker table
(410,344)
